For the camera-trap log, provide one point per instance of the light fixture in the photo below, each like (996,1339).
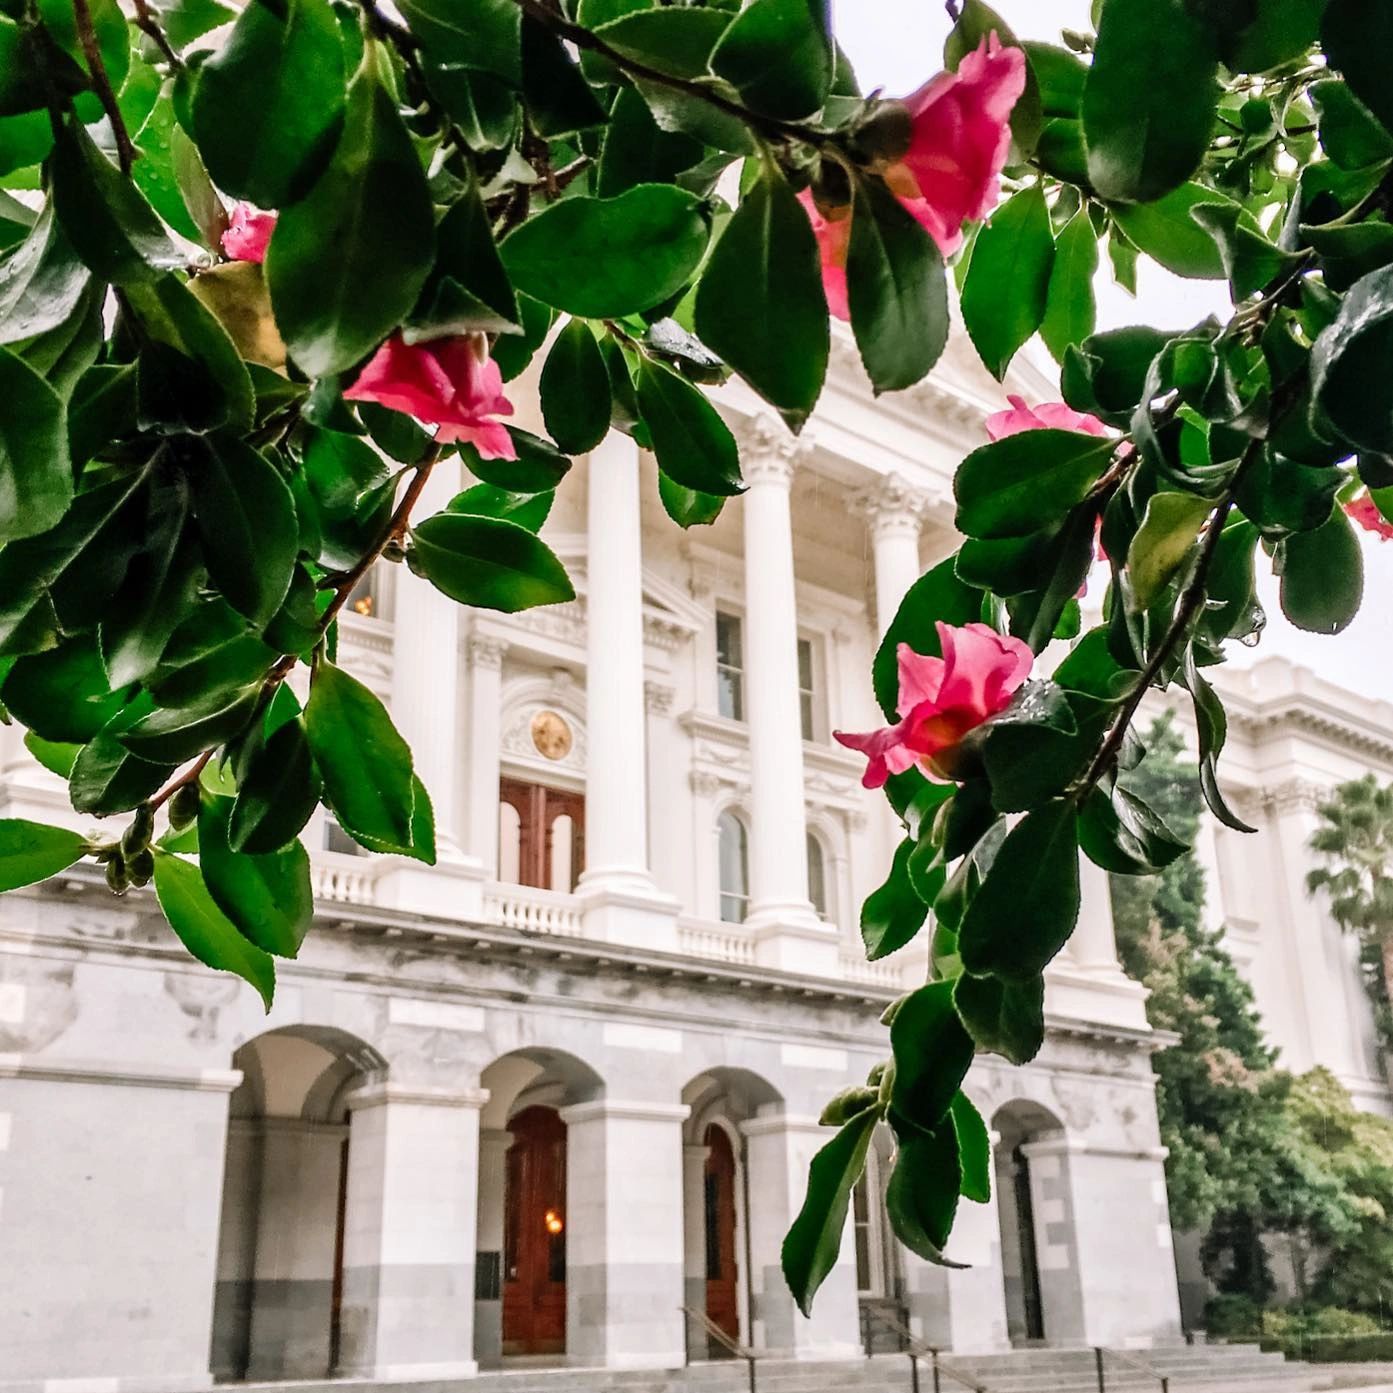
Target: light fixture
(553,1222)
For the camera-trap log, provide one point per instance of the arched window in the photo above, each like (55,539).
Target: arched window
(735,868)
(817,876)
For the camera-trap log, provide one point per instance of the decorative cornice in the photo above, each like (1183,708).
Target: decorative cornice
(485,651)
(1294,795)
(892,506)
(658,697)
(769,452)
(1256,724)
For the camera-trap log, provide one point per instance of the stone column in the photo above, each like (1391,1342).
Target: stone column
(778,1148)
(669,853)
(488,1307)
(787,931)
(694,1243)
(624,1241)
(622,904)
(410,1234)
(892,510)
(485,739)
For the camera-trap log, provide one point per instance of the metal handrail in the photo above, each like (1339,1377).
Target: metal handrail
(1099,1354)
(724,1340)
(917,1349)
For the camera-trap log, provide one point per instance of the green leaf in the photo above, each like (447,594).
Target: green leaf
(673,40)
(528,510)
(365,764)
(975,22)
(1038,865)
(106,777)
(1357,37)
(106,218)
(1070,309)
(1280,31)
(348,261)
(246,524)
(277,793)
(814,1239)
(1060,76)
(1016,486)
(1122,834)
(605,258)
(1149,100)
(1165,538)
(558,98)
(1107,372)
(36,475)
(637,150)
(921,1197)
(56,756)
(974,1149)
(189,376)
(483,108)
(938,596)
(42,281)
(893,914)
(488,563)
(1349,132)
(539,467)
(63,694)
(172,734)
(1250,260)
(204,929)
(1005,1018)
(688,507)
(693,444)
(32,851)
(1008,279)
(483,34)
(267,897)
(1165,231)
(513,352)
(1354,351)
(896,288)
(1322,576)
(1211,730)
(422,845)
(575,390)
(932,1055)
(113,43)
(778,56)
(760,304)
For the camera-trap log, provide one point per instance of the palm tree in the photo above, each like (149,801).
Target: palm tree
(1355,839)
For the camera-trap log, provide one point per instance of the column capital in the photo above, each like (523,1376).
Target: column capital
(486,651)
(892,506)
(769,452)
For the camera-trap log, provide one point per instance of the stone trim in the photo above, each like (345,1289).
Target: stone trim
(286,1126)
(765,1126)
(375,1095)
(21,1066)
(628,1111)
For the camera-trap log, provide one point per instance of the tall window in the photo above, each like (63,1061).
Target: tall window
(817,876)
(735,868)
(730,666)
(807,689)
(337,840)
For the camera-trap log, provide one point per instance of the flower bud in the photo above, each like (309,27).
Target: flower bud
(137,836)
(116,876)
(884,136)
(183,807)
(142,867)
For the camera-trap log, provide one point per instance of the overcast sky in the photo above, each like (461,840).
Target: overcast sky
(897,44)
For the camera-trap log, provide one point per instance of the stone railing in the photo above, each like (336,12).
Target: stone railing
(882,974)
(707,938)
(344,879)
(532,911)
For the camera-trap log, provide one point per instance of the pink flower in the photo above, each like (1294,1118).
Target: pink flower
(1050,415)
(1364,511)
(833,235)
(951,173)
(451,382)
(248,233)
(942,699)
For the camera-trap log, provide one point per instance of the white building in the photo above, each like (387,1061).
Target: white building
(537,1098)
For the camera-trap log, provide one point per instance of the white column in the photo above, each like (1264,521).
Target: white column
(787,931)
(622,904)
(410,1233)
(488,1306)
(778,1149)
(485,739)
(892,510)
(694,1243)
(624,1240)
(669,855)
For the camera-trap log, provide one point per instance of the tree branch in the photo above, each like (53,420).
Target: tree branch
(101,81)
(146,22)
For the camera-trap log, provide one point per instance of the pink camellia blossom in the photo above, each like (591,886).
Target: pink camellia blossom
(450,382)
(1050,415)
(942,699)
(1364,511)
(248,233)
(951,173)
(833,236)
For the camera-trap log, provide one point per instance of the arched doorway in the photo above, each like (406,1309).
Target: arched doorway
(722,1297)
(534,1234)
(279,1292)
(1026,1214)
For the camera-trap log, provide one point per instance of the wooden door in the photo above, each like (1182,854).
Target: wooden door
(336,1291)
(722,1306)
(534,1235)
(546,817)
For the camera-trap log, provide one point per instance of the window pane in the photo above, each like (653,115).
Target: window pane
(805,714)
(728,645)
(805,664)
(817,876)
(807,693)
(336,839)
(730,690)
(734,868)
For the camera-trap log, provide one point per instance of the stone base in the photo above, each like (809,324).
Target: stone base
(627,909)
